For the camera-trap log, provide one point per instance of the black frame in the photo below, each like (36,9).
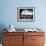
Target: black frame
(26,14)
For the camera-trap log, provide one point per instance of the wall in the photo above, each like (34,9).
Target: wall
(8,13)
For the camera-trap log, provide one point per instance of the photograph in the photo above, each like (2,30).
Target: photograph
(25,14)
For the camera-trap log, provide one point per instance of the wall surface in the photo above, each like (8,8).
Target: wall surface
(8,13)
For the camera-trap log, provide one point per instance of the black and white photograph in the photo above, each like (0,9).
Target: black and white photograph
(25,14)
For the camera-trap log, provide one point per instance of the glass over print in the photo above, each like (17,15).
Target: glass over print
(26,14)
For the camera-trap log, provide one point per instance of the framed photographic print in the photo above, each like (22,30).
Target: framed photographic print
(26,14)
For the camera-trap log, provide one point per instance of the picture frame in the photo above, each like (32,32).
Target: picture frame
(26,14)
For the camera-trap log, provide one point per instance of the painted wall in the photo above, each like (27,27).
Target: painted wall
(8,13)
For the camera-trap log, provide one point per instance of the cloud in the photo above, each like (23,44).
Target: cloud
(26,12)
